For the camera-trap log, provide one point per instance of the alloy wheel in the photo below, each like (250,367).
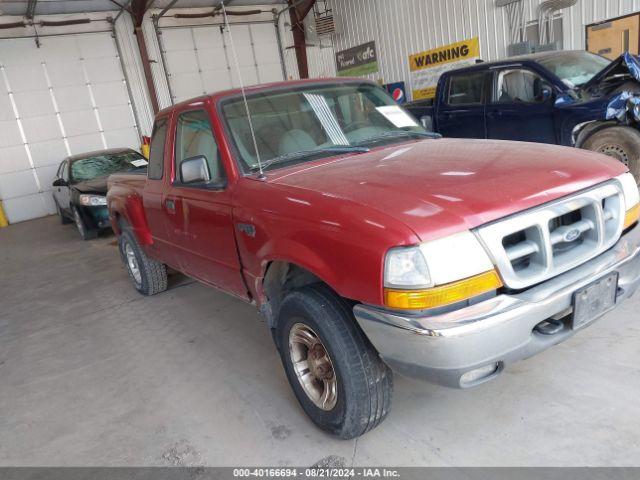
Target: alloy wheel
(313,367)
(132,263)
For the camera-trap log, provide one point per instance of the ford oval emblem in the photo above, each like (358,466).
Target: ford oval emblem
(572,235)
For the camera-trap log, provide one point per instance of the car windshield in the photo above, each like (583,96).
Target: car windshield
(575,68)
(310,122)
(106,164)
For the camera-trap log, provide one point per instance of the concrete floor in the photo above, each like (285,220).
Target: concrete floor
(92,373)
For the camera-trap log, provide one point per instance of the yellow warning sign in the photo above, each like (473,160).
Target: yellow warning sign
(426,67)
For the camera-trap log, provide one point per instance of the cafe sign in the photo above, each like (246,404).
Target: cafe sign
(357,61)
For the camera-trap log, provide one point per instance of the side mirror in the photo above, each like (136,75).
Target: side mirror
(60,182)
(427,122)
(195,170)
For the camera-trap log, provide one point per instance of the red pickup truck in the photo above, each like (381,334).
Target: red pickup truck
(371,245)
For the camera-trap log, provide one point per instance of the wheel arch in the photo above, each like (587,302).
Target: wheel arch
(281,276)
(131,211)
(584,132)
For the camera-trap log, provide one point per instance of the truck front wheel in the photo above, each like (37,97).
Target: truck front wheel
(621,143)
(148,276)
(336,374)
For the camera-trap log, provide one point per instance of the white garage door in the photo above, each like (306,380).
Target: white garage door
(67,97)
(199,60)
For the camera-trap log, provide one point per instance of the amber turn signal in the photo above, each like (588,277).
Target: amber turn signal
(632,216)
(443,294)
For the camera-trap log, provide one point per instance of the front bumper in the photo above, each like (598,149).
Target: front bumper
(95,217)
(485,337)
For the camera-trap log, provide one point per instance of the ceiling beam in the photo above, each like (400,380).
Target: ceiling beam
(31,9)
(298,10)
(138,9)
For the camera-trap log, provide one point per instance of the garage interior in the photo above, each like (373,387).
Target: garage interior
(94,374)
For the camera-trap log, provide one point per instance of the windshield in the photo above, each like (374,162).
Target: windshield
(104,165)
(309,122)
(575,68)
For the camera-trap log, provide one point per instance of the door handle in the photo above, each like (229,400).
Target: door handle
(170,205)
(495,114)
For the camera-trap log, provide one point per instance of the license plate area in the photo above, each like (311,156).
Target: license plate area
(594,300)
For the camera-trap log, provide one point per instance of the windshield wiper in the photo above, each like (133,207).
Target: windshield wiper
(301,155)
(398,134)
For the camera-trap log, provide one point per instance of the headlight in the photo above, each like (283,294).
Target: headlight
(631,199)
(438,273)
(93,200)
(406,268)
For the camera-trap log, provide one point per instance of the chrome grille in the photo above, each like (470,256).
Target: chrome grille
(533,246)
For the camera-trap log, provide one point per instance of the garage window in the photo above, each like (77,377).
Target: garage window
(466,89)
(156,154)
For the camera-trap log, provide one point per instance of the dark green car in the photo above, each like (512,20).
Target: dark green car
(80,187)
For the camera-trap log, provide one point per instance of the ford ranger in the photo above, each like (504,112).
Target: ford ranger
(372,246)
(571,98)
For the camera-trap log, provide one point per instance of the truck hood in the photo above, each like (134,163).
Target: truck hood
(440,187)
(624,64)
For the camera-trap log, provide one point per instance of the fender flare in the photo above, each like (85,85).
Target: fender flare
(132,211)
(294,253)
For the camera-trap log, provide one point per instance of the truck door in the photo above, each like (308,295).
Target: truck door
(521,107)
(153,195)
(461,105)
(203,231)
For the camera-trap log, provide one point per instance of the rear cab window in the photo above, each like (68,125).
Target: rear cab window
(156,153)
(466,88)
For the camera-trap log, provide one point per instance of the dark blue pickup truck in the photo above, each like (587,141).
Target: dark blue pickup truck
(571,98)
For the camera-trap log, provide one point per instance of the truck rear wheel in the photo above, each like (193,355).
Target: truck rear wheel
(621,143)
(148,276)
(336,374)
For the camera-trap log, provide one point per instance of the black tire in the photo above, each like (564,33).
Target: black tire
(364,383)
(85,232)
(152,276)
(621,143)
(64,220)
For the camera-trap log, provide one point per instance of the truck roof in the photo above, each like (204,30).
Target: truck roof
(530,57)
(263,87)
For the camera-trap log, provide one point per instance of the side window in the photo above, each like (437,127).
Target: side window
(519,86)
(194,138)
(156,153)
(60,169)
(466,89)
(65,170)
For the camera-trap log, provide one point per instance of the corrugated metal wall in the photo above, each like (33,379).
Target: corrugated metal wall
(403,27)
